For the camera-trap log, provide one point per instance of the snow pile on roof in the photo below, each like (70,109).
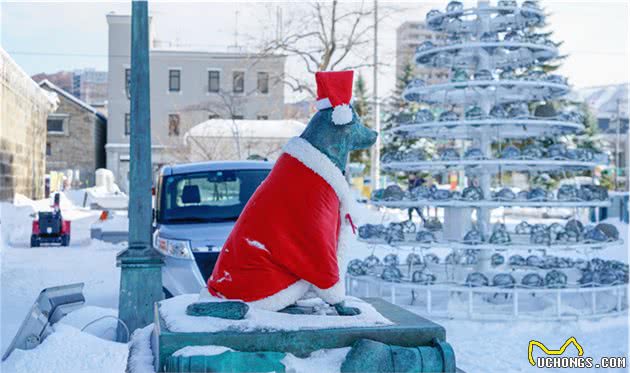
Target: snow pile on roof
(173,311)
(282,129)
(69,350)
(71,97)
(604,99)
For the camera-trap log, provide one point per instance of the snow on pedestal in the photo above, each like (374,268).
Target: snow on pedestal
(278,335)
(173,312)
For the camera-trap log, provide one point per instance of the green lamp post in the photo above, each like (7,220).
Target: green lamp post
(141,272)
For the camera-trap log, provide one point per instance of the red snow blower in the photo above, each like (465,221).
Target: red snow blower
(50,228)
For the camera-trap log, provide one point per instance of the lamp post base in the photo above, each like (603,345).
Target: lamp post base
(140,288)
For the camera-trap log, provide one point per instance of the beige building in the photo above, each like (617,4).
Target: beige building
(188,87)
(24,107)
(76,136)
(409,36)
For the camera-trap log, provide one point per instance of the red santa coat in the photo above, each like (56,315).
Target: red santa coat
(289,236)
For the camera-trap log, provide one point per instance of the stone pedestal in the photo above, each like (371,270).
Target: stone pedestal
(407,330)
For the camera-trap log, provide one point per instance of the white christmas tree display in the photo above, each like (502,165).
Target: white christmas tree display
(487,250)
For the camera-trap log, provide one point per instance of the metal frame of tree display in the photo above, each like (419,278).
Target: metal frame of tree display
(500,74)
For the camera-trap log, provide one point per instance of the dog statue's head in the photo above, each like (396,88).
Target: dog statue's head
(337,141)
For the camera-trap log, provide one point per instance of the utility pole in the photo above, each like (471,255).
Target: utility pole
(376,149)
(236,30)
(141,272)
(617,140)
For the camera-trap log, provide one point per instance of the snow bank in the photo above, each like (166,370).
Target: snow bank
(104,328)
(26,271)
(140,353)
(502,346)
(17,219)
(117,221)
(102,196)
(69,350)
(16,222)
(173,311)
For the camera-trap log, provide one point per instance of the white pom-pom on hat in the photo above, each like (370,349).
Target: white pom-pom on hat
(342,114)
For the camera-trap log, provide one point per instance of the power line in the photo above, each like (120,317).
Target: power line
(97,55)
(228,55)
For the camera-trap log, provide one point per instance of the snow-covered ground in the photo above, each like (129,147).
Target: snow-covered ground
(69,350)
(479,346)
(26,271)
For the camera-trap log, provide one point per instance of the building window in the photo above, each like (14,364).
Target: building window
(127,124)
(55,125)
(238,81)
(127,82)
(237,117)
(262,117)
(174,80)
(214,81)
(263,82)
(173,124)
(48,149)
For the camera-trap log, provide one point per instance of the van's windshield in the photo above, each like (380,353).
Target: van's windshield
(210,196)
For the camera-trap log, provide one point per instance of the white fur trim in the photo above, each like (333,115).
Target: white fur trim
(323,103)
(333,294)
(283,298)
(342,114)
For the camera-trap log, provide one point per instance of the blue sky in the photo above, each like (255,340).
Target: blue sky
(51,36)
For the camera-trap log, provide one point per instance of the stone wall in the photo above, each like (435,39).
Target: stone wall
(23,111)
(80,146)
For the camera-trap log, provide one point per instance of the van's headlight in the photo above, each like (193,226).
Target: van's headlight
(175,248)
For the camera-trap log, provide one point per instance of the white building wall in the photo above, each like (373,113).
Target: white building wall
(193,103)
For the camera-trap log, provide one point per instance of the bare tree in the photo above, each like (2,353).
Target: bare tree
(229,105)
(325,36)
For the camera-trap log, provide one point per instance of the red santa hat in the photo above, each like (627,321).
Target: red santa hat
(334,90)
